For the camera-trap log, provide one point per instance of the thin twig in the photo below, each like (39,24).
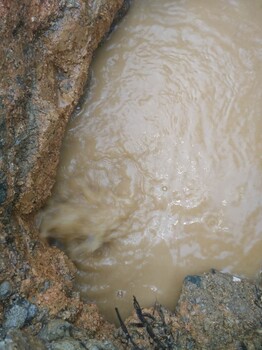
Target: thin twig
(125,330)
(149,328)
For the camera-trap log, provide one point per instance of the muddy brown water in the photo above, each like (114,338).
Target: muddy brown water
(161,169)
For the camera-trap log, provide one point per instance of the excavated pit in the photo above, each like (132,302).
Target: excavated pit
(45,50)
(160,169)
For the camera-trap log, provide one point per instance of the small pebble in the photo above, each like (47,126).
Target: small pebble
(67,344)
(55,330)
(236,279)
(99,345)
(5,290)
(31,311)
(120,293)
(15,317)
(20,313)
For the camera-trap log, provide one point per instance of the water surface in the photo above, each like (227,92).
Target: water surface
(161,169)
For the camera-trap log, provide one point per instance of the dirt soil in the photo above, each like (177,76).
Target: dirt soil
(45,50)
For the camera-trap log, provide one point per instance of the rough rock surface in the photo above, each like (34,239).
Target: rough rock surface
(215,311)
(45,50)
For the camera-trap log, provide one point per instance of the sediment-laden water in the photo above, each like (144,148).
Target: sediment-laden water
(161,169)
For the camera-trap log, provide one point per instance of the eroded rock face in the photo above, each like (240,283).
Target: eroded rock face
(45,51)
(46,48)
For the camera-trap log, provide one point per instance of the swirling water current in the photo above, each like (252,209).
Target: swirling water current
(161,168)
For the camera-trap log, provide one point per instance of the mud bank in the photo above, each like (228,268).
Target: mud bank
(45,51)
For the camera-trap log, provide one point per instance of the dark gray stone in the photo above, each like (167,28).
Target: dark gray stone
(67,344)
(5,290)
(18,340)
(193,279)
(3,191)
(15,317)
(55,330)
(31,312)
(19,314)
(2,333)
(93,344)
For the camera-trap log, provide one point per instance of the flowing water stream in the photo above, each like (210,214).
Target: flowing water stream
(161,168)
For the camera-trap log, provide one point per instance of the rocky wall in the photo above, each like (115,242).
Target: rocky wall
(45,50)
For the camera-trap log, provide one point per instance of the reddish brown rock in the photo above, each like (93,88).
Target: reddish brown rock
(45,50)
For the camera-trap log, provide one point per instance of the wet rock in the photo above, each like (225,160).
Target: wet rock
(45,52)
(2,333)
(5,290)
(18,314)
(17,340)
(31,311)
(99,345)
(63,335)
(196,280)
(72,344)
(3,191)
(15,317)
(54,330)
(46,48)
(67,344)
(221,312)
